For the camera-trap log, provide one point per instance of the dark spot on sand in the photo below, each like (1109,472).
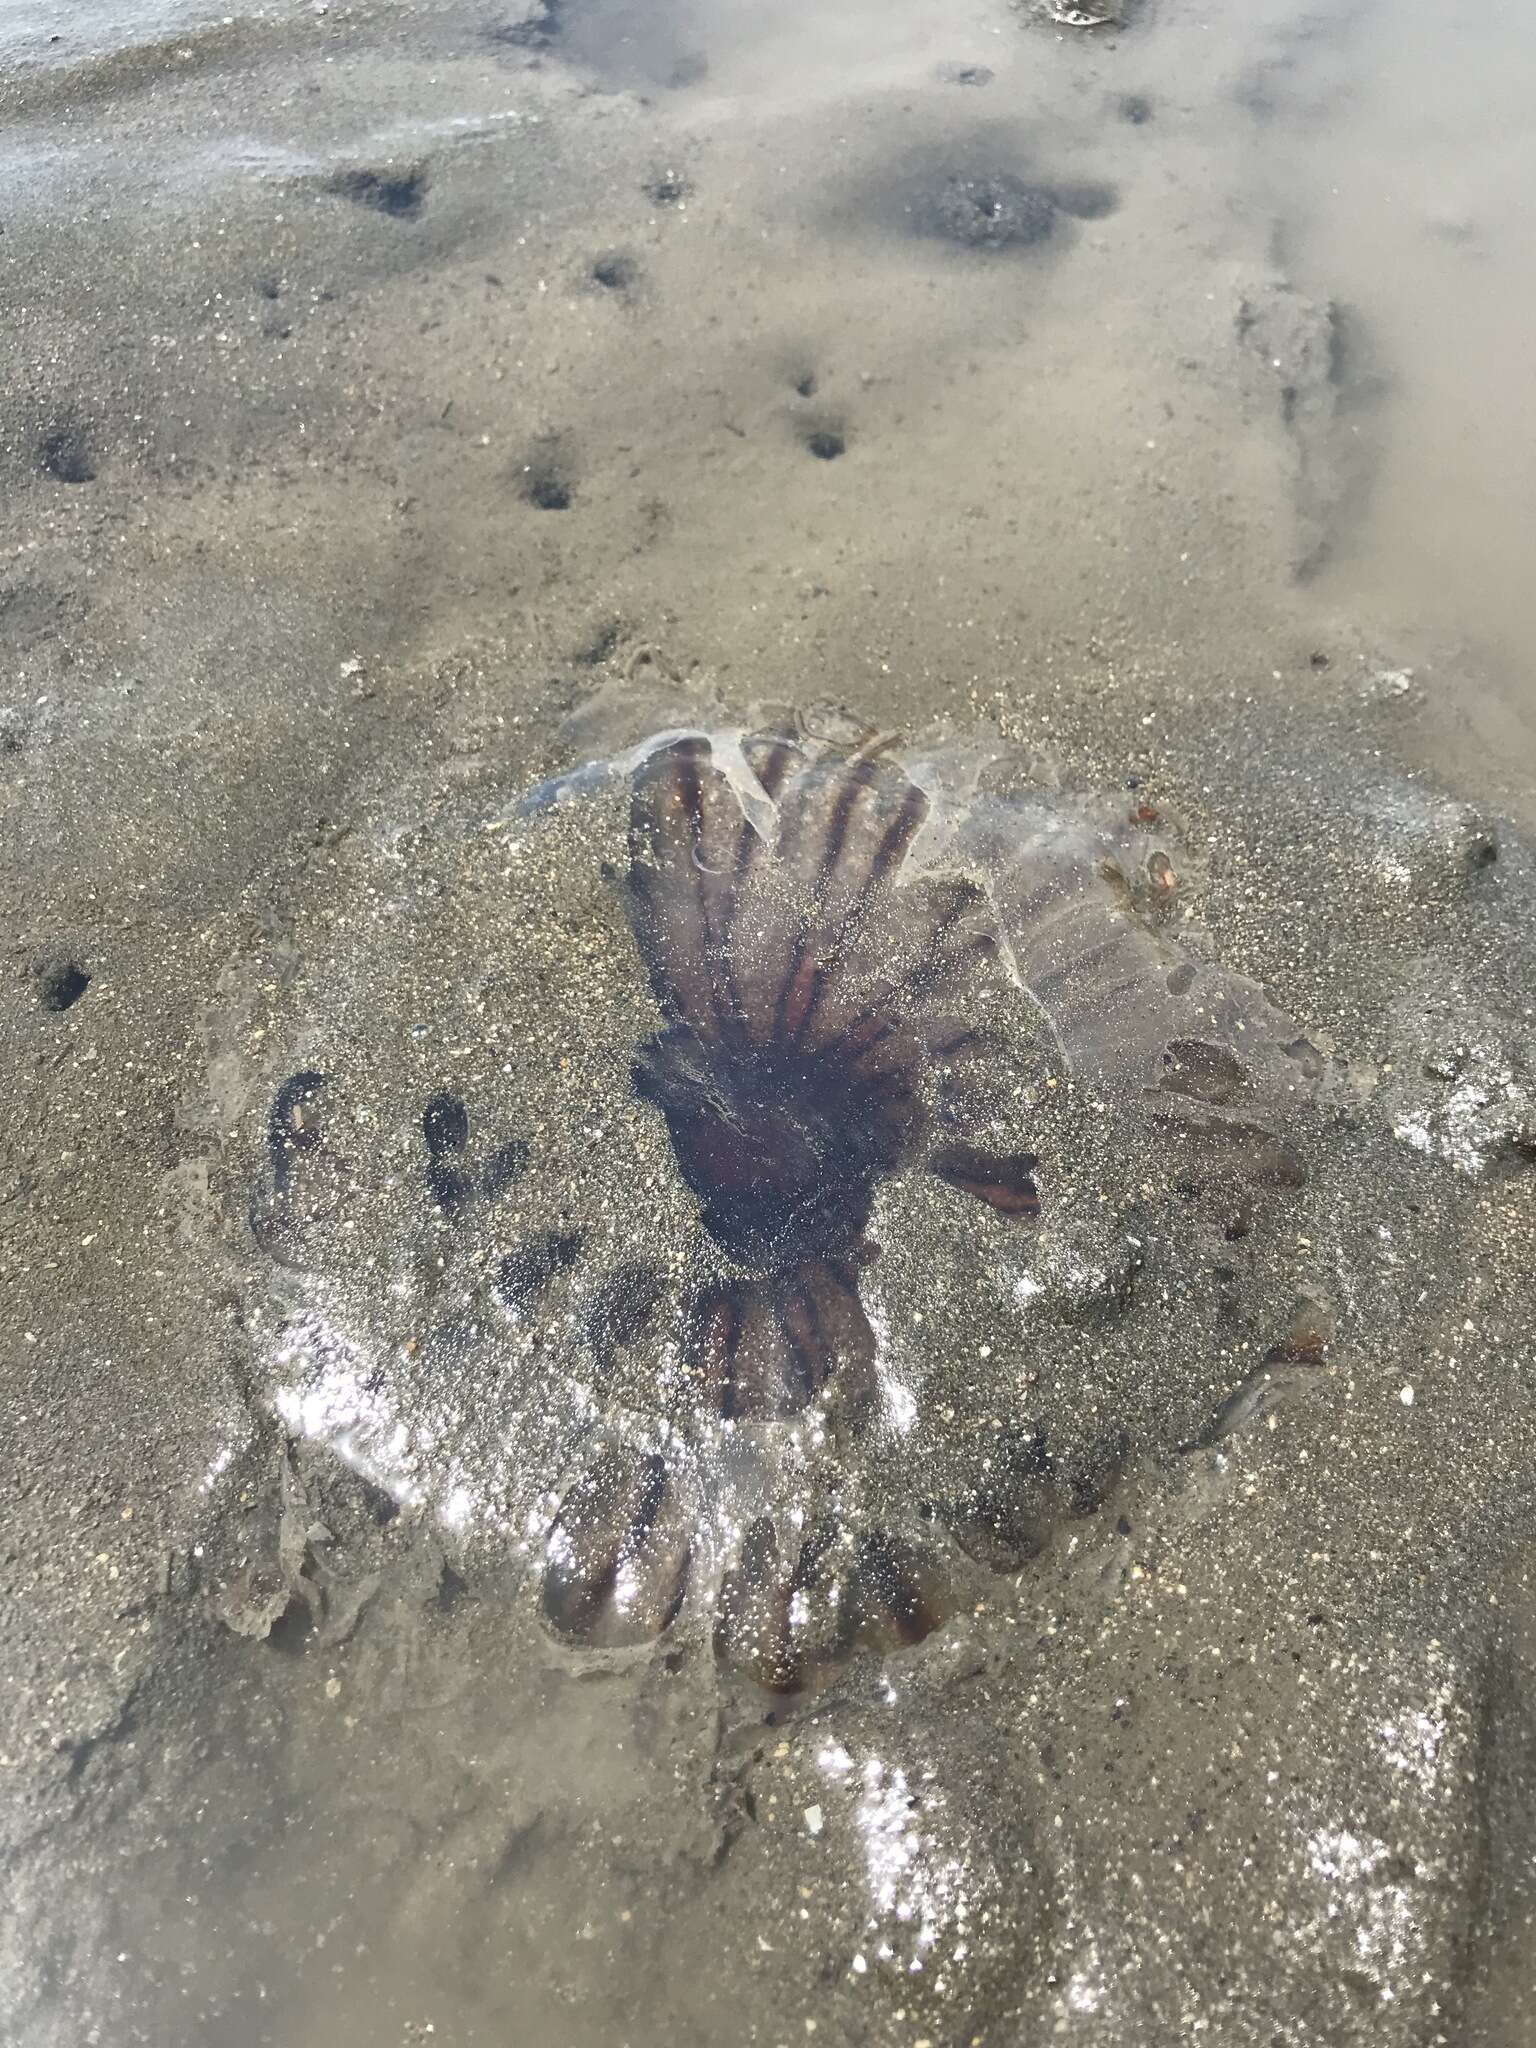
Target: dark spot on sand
(62,985)
(1134,107)
(445,1123)
(544,487)
(453,1178)
(1307,1057)
(614,273)
(293,1123)
(451,1588)
(993,210)
(67,457)
(620,1310)
(508,1163)
(445,1128)
(595,651)
(965,74)
(400,194)
(1482,851)
(292,1628)
(1026,1496)
(826,443)
(1085,199)
(806,386)
(545,480)
(667,188)
(524,1274)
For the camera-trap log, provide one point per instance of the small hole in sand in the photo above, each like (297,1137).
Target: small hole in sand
(669,188)
(62,986)
(400,194)
(66,456)
(546,489)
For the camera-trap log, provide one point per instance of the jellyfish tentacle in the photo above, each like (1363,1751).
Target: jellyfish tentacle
(740,1348)
(706,794)
(757,1377)
(771,760)
(765,931)
(693,960)
(715,1328)
(808,1366)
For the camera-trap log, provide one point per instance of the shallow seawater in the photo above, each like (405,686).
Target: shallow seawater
(767,792)
(1394,147)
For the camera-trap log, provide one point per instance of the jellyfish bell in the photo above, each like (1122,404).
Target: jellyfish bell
(840,1072)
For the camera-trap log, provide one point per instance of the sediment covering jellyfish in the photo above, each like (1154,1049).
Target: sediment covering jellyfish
(852,1027)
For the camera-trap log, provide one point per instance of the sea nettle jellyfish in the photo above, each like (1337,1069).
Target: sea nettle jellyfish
(837,1097)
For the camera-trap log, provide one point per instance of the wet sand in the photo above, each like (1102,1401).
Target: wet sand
(406,407)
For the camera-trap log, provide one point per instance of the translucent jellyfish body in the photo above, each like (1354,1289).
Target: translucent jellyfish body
(767,1184)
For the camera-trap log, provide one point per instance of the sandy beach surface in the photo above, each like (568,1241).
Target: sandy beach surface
(1121,411)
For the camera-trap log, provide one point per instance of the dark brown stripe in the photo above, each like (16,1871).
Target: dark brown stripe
(853,783)
(775,767)
(1003,1180)
(717,1332)
(650,1492)
(896,989)
(801,1344)
(887,857)
(690,788)
(876,1038)
(749,843)
(951,1046)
